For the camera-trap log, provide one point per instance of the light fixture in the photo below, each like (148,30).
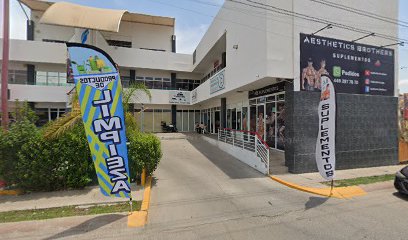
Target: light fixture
(368,35)
(398,43)
(328,26)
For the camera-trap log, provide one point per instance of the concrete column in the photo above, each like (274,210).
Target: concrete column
(223,113)
(174,114)
(132,75)
(173,80)
(173,43)
(30,30)
(31,74)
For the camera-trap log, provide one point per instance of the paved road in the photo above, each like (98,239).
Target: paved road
(202,193)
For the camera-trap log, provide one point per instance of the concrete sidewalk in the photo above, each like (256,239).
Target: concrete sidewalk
(87,196)
(314,179)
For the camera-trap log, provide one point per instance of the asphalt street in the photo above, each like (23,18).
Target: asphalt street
(200,192)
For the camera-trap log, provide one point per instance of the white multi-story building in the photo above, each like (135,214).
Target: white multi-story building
(247,73)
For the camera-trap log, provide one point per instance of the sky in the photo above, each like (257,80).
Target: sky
(192,20)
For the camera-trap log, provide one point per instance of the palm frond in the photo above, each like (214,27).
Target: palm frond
(62,125)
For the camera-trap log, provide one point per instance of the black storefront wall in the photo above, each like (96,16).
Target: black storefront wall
(366,133)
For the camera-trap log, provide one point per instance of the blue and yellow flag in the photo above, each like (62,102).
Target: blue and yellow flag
(99,90)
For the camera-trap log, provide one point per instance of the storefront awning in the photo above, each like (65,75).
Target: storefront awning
(73,15)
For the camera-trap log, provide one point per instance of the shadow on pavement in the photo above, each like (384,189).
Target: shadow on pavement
(315,202)
(88,226)
(234,168)
(401,196)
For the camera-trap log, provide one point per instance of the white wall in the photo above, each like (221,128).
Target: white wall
(143,35)
(33,93)
(56,53)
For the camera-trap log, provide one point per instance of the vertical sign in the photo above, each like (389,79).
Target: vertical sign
(99,91)
(325,144)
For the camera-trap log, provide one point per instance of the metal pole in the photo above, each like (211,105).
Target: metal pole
(142,119)
(4,67)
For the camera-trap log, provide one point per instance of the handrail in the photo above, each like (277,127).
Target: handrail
(250,132)
(251,142)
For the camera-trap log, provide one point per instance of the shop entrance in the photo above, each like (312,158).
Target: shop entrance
(267,118)
(211,119)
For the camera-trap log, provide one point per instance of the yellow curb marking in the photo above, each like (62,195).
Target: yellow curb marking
(139,218)
(338,192)
(11,192)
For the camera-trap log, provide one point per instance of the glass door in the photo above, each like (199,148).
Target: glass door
(239,123)
(260,121)
(270,124)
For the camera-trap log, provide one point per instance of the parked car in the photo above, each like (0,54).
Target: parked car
(401,180)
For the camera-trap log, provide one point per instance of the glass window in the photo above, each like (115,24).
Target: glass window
(149,83)
(166,85)
(280,122)
(270,99)
(185,121)
(63,78)
(19,77)
(166,116)
(42,114)
(148,120)
(52,78)
(157,120)
(157,85)
(191,120)
(179,120)
(41,78)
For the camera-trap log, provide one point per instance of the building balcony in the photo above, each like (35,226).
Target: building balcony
(56,53)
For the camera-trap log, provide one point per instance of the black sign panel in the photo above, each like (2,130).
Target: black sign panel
(355,68)
(274,88)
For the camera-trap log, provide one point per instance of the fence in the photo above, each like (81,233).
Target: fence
(249,141)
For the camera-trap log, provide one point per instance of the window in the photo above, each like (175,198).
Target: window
(118,43)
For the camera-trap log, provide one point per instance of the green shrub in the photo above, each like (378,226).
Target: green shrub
(144,151)
(63,163)
(34,163)
(11,143)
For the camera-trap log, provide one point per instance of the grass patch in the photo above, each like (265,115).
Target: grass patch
(58,212)
(361,180)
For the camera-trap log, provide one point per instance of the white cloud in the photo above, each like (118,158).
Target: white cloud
(188,38)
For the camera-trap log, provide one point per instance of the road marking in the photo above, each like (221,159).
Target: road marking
(338,192)
(139,218)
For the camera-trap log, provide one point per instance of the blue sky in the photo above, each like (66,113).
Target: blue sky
(192,20)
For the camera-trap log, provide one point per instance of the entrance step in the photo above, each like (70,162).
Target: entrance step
(277,162)
(277,170)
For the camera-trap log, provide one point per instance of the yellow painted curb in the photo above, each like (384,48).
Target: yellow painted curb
(139,218)
(11,192)
(338,192)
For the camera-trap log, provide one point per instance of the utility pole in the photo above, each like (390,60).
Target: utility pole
(4,66)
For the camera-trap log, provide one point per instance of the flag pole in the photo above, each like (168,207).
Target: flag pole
(331,188)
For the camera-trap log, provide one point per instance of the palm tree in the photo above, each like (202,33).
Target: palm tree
(70,119)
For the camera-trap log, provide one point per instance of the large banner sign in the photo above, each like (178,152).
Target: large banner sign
(179,97)
(217,82)
(99,91)
(355,68)
(325,144)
